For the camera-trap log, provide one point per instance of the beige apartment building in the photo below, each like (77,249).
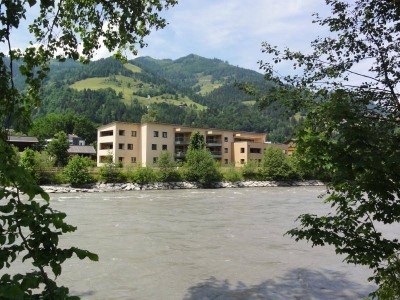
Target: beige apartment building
(131,143)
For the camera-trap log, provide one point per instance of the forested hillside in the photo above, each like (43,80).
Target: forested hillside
(192,90)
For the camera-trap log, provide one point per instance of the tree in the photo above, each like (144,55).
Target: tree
(351,131)
(167,168)
(58,148)
(62,29)
(275,165)
(196,141)
(201,167)
(29,163)
(77,170)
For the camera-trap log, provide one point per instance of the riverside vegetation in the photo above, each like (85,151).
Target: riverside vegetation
(199,167)
(29,228)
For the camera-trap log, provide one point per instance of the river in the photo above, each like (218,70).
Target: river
(202,244)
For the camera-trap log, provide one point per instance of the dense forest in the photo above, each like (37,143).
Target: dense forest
(192,91)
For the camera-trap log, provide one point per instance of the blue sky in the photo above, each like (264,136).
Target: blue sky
(231,30)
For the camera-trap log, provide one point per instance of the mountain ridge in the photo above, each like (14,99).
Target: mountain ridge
(191,90)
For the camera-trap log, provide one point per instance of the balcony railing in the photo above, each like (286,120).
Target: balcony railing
(182,141)
(216,154)
(214,143)
(180,154)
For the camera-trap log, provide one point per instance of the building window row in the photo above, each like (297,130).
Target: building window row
(122,146)
(154,147)
(106,133)
(164,134)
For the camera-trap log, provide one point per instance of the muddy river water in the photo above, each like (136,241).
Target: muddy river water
(202,244)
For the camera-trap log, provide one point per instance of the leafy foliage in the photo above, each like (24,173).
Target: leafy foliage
(351,132)
(111,173)
(275,165)
(144,175)
(123,95)
(201,167)
(58,148)
(250,170)
(36,227)
(30,228)
(232,174)
(196,141)
(49,125)
(167,168)
(77,170)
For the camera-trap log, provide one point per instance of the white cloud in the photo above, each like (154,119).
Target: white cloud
(231,30)
(234,29)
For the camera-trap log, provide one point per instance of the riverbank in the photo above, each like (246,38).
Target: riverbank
(118,187)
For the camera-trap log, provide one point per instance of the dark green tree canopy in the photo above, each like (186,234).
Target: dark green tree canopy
(197,141)
(349,85)
(62,29)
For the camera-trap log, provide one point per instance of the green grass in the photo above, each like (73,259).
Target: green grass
(133,68)
(249,103)
(128,87)
(206,86)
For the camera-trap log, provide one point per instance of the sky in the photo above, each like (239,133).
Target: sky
(233,30)
(230,30)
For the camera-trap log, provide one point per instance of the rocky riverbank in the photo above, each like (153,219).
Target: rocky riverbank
(117,187)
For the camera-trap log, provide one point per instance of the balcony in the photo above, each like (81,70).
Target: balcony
(180,154)
(216,154)
(182,141)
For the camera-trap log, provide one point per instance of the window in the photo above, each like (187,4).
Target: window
(242,161)
(106,133)
(241,150)
(120,159)
(225,150)
(255,150)
(130,146)
(164,147)
(121,146)
(105,146)
(121,132)
(155,160)
(133,160)
(226,161)
(153,146)
(164,134)
(133,133)
(155,133)
(226,139)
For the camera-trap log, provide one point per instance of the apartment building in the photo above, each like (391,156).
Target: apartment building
(133,143)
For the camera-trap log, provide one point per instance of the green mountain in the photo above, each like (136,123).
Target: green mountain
(191,90)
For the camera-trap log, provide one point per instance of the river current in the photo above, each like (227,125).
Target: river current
(202,244)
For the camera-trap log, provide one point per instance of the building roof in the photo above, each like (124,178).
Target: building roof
(81,150)
(22,139)
(183,126)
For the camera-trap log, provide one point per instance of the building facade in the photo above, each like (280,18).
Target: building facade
(132,143)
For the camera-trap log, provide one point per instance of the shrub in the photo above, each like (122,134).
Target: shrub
(232,174)
(77,170)
(167,169)
(275,165)
(250,170)
(110,173)
(201,167)
(144,175)
(29,161)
